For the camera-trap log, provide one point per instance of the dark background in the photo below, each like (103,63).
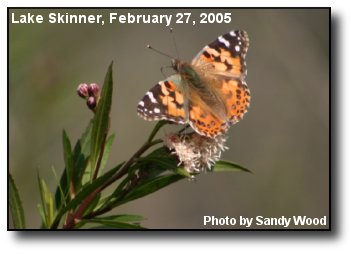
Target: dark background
(283,139)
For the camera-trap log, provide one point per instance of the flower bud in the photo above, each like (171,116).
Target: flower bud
(91,102)
(94,90)
(83,90)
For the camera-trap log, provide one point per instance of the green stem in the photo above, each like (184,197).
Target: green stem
(109,206)
(71,220)
(129,163)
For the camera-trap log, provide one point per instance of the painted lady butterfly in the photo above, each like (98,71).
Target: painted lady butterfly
(210,93)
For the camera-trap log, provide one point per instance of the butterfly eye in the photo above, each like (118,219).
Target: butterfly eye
(174,64)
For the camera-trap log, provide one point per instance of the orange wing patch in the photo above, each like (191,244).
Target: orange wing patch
(163,101)
(237,99)
(172,99)
(226,55)
(205,122)
(223,62)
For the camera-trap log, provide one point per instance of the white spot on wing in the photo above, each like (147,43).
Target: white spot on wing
(157,110)
(151,97)
(141,103)
(232,33)
(237,48)
(223,40)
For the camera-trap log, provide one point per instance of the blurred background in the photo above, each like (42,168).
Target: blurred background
(283,139)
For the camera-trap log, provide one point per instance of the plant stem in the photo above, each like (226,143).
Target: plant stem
(108,207)
(71,220)
(129,163)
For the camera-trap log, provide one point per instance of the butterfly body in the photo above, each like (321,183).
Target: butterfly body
(209,93)
(198,88)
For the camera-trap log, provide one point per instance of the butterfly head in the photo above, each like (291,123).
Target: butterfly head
(176,64)
(179,66)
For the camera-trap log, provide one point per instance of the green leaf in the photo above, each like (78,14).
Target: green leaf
(115,225)
(117,193)
(101,119)
(42,215)
(68,158)
(47,207)
(107,150)
(156,163)
(226,166)
(118,222)
(150,186)
(123,218)
(113,220)
(84,193)
(41,207)
(86,178)
(16,209)
(163,163)
(183,172)
(80,156)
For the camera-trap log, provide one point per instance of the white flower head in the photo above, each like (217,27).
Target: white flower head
(197,153)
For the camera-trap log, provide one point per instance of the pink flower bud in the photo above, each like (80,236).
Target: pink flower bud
(83,90)
(91,102)
(94,90)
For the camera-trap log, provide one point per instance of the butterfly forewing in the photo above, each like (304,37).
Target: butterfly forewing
(226,54)
(164,102)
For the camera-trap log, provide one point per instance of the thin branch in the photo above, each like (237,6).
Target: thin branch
(71,220)
(129,163)
(109,207)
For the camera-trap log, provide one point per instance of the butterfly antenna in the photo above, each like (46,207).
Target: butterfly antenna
(159,52)
(174,41)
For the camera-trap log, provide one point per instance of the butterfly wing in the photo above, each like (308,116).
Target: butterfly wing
(221,101)
(164,102)
(204,121)
(236,97)
(225,56)
(222,63)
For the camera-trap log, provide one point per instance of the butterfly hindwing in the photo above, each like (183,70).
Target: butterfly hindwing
(236,96)
(164,102)
(205,122)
